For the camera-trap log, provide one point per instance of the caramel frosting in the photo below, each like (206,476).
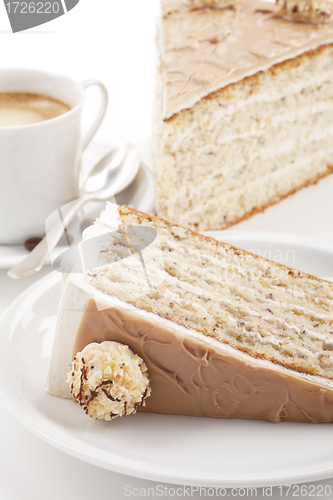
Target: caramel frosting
(194,376)
(204,49)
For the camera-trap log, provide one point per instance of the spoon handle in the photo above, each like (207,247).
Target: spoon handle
(35,260)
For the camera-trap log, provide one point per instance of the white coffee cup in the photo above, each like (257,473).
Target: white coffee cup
(40,163)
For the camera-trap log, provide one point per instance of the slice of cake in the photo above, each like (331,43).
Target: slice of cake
(222,332)
(244,108)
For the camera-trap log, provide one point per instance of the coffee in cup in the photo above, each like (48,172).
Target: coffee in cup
(40,155)
(21,108)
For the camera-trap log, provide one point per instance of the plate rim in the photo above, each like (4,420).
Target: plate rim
(41,426)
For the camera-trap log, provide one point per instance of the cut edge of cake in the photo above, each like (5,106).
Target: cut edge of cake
(199,376)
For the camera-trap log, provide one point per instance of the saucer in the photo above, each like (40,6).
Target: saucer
(139,195)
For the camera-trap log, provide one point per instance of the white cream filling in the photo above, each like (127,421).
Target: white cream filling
(108,221)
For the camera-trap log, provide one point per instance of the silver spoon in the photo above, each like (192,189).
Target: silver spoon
(100,174)
(127,163)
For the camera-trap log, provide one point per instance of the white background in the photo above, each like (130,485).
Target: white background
(114,41)
(106,39)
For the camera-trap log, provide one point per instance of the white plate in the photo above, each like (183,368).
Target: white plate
(169,448)
(139,195)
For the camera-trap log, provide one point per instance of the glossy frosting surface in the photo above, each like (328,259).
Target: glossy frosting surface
(206,49)
(191,377)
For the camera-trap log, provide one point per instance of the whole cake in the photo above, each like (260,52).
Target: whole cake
(243,115)
(212,330)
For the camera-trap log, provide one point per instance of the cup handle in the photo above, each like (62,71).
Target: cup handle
(101,112)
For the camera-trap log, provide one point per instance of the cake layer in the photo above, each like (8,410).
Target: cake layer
(248,145)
